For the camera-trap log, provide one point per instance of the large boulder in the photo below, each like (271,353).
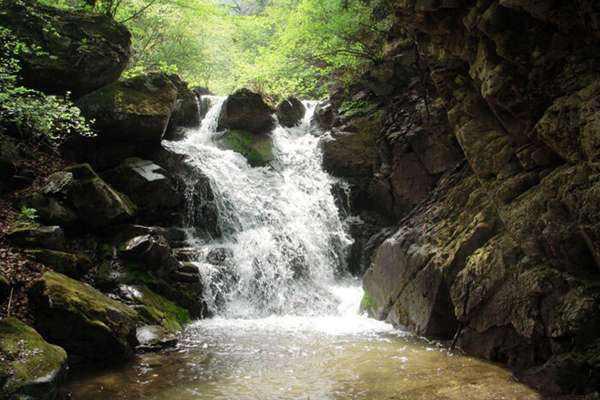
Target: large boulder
(136,110)
(290,112)
(256,148)
(84,321)
(247,111)
(148,185)
(81,52)
(77,195)
(30,368)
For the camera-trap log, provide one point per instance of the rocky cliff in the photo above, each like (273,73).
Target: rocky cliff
(476,141)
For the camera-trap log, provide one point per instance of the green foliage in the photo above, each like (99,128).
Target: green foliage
(33,114)
(27,214)
(276,47)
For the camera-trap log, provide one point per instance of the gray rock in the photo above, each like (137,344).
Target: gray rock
(248,111)
(290,112)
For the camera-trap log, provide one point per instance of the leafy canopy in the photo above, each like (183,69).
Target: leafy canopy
(280,47)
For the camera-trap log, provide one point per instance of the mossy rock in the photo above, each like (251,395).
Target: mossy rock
(87,323)
(155,309)
(368,305)
(136,110)
(257,149)
(67,51)
(72,265)
(29,366)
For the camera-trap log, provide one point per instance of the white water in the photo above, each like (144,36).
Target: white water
(280,223)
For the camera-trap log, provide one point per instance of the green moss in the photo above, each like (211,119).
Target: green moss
(26,359)
(257,149)
(158,310)
(367,303)
(73,265)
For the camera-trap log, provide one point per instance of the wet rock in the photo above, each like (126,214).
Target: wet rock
(88,324)
(82,53)
(188,267)
(150,250)
(147,184)
(35,236)
(30,367)
(290,112)
(72,265)
(155,309)
(219,256)
(246,110)
(135,110)
(154,338)
(256,148)
(186,254)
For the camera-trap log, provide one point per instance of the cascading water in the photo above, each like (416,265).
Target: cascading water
(287,325)
(283,241)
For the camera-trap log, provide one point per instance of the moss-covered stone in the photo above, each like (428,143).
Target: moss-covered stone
(72,265)
(84,321)
(29,366)
(186,112)
(136,110)
(67,51)
(155,309)
(257,149)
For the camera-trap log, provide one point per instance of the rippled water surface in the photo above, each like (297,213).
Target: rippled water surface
(340,356)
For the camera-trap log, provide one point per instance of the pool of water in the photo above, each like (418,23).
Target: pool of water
(339,356)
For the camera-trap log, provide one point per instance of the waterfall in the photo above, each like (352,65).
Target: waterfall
(283,242)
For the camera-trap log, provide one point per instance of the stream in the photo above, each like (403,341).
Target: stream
(286,319)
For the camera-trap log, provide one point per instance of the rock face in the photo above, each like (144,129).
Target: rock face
(290,112)
(82,52)
(502,255)
(88,324)
(246,110)
(29,366)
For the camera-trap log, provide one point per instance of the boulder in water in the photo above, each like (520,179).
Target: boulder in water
(31,367)
(82,52)
(290,112)
(246,110)
(84,321)
(256,148)
(136,110)
(147,184)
